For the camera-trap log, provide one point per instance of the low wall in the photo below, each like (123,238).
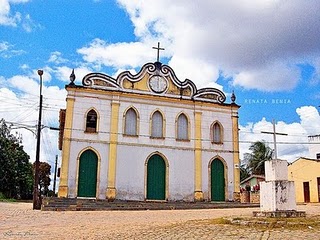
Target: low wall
(250,197)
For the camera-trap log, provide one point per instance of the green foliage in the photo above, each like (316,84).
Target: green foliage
(244,172)
(260,153)
(44,177)
(16,176)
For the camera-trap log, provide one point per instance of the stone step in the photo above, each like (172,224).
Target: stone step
(74,204)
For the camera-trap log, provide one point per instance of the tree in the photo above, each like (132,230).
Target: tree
(260,153)
(44,177)
(16,176)
(244,172)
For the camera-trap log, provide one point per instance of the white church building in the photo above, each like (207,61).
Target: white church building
(148,136)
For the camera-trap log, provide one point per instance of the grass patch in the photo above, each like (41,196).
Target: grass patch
(271,223)
(4,199)
(220,221)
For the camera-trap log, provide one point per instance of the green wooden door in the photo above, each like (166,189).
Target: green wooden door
(217,181)
(156,178)
(87,180)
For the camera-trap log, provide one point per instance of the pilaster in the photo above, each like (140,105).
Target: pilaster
(236,159)
(198,194)
(63,185)
(111,189)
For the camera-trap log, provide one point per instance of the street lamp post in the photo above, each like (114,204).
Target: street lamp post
(36,193)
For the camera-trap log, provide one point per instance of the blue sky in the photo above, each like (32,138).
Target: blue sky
(266,51)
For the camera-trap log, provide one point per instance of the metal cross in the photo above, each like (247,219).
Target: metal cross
(274,133)
(158,48)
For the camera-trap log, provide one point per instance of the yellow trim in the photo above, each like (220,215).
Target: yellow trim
(236,159)
(98,169)
(111,190)
(225,177)
(63,186)
(163,123)
(198,194)
(155,98)
(141,85)
(146,174)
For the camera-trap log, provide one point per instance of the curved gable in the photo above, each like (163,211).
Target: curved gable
(140,83)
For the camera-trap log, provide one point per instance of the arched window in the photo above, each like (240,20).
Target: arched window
(216,130)
(91,121)
(130,127)
(157,125)
(182,127)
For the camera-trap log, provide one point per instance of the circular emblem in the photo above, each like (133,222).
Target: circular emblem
(158,84)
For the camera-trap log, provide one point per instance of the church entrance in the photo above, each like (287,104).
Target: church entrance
(87,179)
(217,181)
(156,178)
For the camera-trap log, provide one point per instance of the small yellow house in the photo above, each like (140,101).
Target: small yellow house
(305,173)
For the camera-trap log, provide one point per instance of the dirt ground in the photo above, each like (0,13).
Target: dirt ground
(19,221)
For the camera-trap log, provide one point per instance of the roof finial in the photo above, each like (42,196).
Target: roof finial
(233,97)
(158,50)
(72,77)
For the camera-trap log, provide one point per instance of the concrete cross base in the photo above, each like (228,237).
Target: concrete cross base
(277,196)
(279,214)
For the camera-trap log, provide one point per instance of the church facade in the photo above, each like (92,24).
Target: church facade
(148,136)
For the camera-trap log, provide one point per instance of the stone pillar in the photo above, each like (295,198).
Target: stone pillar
(277,194)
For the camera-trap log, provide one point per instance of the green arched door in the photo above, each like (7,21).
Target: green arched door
(217,181)
(156,178)
(87,179)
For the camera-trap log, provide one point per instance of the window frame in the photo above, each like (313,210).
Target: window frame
(91,129)
(187,127)
(152,125)
(212,132)
(125,123)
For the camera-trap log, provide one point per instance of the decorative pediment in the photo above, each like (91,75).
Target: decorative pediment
(155,79)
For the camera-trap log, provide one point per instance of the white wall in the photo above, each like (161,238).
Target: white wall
(132,152)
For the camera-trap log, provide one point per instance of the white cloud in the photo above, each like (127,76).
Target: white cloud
(4,46)
(310,119)
(207,72)
(21,105)
(257,43)
(281,76)
(56,57)
(116,55)
(290,147)
(7,50)
(6,17)
(63,73)
(29,25)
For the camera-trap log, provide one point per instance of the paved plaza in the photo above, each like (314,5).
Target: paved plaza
(19,221)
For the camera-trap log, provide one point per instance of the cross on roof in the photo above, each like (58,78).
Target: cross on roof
(158,50)
(274,133)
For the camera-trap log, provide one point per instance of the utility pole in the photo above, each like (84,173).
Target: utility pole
(274,133)
(55,176)
(36,193)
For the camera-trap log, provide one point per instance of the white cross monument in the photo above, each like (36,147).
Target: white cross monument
(277,194)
